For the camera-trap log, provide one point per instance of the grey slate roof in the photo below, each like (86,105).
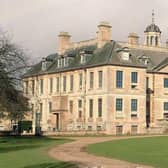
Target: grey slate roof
(152,28)
(155,57)
(109,54)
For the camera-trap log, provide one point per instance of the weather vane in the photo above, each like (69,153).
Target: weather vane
(153,16)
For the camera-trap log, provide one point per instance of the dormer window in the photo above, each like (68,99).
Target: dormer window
(66,61)
(144,59)
(44,64)
(84,56)
(83,59)
(124,53)
(59,63)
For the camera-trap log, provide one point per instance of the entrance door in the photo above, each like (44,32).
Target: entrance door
(119,130)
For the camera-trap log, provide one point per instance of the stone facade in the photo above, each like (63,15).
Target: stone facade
(124,96)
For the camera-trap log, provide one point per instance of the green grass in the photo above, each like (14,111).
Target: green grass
(30,152)
(150,151)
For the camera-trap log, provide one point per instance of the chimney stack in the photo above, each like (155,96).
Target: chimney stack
(133,39)
(64,42)
(104,34)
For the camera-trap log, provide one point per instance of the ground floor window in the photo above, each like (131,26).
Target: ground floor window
(89,128)
(99,127)
(119,130)
(134,129)
(165,115)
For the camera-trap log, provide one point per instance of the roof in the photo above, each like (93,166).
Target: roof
(155,58)
(109,54)
(152,28)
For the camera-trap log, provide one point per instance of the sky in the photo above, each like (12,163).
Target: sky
(35,24)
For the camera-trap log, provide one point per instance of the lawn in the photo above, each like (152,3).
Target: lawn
(150,151)
(29,152)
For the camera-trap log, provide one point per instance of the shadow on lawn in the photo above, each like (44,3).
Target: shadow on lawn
(6,149)
(54,165)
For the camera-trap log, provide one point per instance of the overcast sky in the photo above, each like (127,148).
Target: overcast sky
(35,24)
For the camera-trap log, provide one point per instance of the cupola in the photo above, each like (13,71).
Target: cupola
(152,34)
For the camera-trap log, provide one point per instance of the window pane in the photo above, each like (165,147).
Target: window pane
(79,103)
(165,106)
(80,81)
(51,85)
(71,106)
(100,76)
(64,83)
(50,107)
(41,110)
(41,86)
(71,83)
(134,77)
(99,107)
(118,104)
(165,82)
(134,104)
(119,79)
(33,86)
(91,108)
(57,84)
(79,108)
(91,80)
(26,87)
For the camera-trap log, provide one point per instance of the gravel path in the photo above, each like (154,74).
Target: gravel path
(74,152)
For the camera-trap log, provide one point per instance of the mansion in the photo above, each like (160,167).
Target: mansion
(101,85)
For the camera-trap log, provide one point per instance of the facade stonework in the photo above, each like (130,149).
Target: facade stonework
(101,85)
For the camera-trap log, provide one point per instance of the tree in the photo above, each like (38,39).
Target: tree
(13,63)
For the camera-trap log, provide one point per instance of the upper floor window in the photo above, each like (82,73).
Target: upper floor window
(57,84)
(50,107)
(64,83)
(91,80)
(33,87)
(51,85)
(79,103)
(99,107)
(134,77)
(119,79)
(80,80)
(134,105)
(91,108)
(165,82)
(165,106)
(119,104)
(71,82)
(41,86)
(100,78)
